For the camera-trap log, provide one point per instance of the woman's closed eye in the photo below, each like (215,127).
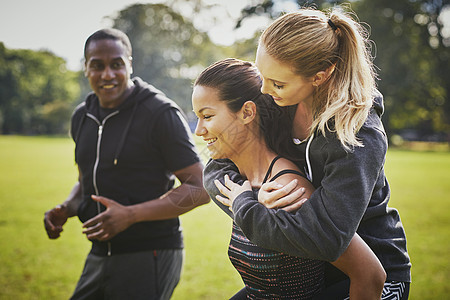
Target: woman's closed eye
(278,86)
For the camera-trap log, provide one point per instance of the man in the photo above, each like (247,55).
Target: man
(129,142)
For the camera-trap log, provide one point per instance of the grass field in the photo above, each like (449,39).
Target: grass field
(38,172)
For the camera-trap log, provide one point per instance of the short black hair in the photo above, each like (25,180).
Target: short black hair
(109,34)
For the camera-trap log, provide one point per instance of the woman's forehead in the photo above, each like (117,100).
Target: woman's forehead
(271,68)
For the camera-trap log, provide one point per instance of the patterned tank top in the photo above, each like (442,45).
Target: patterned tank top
(268,274)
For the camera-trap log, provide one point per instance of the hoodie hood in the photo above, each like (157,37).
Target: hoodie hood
(90,109)
(378,103)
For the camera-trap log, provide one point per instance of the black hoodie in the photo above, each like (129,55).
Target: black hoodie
(129,156)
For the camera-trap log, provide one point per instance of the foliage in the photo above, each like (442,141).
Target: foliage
(245,49)
(36,92)
(34,267)
(411,57)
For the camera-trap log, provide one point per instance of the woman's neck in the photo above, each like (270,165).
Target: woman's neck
(302,121)
(254,160)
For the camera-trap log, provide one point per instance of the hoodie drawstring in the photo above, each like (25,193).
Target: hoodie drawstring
(309,173)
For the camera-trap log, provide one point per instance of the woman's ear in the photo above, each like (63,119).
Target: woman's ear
(248,112)
(319,78)
(322,76)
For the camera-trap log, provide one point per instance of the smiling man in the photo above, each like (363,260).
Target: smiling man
(130,143)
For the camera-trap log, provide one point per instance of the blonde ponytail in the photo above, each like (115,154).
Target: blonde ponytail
(313,41)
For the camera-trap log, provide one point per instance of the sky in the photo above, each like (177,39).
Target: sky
(62,26)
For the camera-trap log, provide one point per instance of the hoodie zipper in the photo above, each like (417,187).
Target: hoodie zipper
(97,158)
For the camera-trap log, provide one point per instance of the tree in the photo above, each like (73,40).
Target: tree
(168,51)
(413,63)
(36,92)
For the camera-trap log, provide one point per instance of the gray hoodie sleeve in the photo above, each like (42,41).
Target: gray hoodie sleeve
(217,169)
(323,227)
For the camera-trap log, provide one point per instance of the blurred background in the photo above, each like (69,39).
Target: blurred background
(41,47)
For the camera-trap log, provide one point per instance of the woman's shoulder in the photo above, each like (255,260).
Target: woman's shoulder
(285,170)
(285,164)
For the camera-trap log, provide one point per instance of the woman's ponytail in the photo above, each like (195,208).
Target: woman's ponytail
(349,92)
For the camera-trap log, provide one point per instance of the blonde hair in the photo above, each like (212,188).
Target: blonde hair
(312,41)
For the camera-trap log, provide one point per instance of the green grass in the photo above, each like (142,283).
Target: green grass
(420,184)
(38,172)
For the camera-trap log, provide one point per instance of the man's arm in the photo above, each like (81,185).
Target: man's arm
(55,218)
(178,201)
(116,218)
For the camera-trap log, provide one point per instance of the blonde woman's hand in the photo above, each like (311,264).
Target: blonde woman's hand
(286,197)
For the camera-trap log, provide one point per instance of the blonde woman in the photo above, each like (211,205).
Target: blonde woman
(320,64)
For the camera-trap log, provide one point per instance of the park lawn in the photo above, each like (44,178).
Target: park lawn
(420,190)
(38,172)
